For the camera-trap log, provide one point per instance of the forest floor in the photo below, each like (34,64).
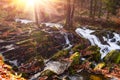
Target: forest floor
(113,23)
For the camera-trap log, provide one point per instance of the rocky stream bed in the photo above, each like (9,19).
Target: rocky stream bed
(49,52)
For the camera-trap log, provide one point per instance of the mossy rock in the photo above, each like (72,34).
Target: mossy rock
(47,73)
(75,58)
(40,36)
(93,48)
(94,53)
(78,47)
(113,57)
(72,70)
(59,54)
(99,66)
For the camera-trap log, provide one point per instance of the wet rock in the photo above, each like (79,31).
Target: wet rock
(113,57)
(113,40)
(76,77)
(58,67)
(60,54)
(48,44)
(48,73)
(118,42)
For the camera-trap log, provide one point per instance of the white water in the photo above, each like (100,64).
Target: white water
(24,21)
(60,28)
(53,25)
(94,40)
(8,48)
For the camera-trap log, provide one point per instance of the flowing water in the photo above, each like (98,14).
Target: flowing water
(58,66)
(112,43)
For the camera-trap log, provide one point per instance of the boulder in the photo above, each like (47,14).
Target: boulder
(93,52)
(58,67)
(113,57)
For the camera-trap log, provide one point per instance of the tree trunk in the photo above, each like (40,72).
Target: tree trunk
(94,10)
(91,8)
(70,14)
(100,9)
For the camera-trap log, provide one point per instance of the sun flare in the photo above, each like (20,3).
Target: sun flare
(44,8)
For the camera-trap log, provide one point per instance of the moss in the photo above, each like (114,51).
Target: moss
(75,58)
(78,47)
(71,70)
(59,54)
(95,53)
(99,66)
(47,73)
(40,36)
(92,65)
(93,48)
(113,57)
(25,75)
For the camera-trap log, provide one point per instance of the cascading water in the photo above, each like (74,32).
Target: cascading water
(94,40)
(61,30)
(55,66)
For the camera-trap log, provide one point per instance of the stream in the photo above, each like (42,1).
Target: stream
(111,42)
(59,67)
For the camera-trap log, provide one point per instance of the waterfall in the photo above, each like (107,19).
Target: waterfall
(94,40)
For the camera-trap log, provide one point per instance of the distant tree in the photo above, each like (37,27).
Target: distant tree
(100,8)
(91,8)
(111,7)
(70,6)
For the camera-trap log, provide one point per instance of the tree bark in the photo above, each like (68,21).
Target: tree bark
(91,8)
(70,14)
(100,9)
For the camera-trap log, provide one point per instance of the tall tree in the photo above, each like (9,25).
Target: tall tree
(70,13)
(91,8)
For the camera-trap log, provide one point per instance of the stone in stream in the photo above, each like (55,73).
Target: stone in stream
(57,67)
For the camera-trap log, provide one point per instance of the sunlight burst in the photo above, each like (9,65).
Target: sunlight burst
(45,8)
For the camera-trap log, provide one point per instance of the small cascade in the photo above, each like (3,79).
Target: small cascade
(67,41)
(112,43)
(62,31)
